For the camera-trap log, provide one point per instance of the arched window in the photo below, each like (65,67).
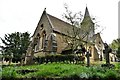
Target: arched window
(51,43)
(37,43)
(43,37)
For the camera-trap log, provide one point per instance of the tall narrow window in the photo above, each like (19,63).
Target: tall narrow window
(52,43)
(37,42)
(45,45)
(43,39)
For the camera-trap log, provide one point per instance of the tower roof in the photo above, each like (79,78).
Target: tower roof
(87,17)
(86,12)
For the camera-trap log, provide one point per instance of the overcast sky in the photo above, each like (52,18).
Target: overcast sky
(23,15)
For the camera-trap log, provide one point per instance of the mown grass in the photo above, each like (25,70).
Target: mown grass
(60,70)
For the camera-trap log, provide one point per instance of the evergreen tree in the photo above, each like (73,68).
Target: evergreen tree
(116,46)
(15,46)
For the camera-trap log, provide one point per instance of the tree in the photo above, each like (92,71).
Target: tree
(15,46)
(72,18)
(72,40)
(115,45)
(79,35)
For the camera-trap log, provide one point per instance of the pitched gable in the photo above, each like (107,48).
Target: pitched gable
(98,41)
(44,23)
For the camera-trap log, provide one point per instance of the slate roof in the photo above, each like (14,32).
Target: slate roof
(86,12)
(61,26)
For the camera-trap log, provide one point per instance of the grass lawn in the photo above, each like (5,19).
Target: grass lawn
(60,70)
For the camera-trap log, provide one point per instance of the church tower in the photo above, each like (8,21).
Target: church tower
(87,25)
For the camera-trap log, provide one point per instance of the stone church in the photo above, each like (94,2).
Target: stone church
(49,36)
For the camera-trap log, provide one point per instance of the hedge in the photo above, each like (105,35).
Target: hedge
(71,58)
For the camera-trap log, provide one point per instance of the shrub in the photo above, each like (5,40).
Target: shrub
(117,66)
(110,74)
(9,72)
(59,58)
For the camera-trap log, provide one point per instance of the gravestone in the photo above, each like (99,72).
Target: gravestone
(106,51)
(88,55)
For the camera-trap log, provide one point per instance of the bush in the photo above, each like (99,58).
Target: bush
(9,72)
(110,75)
(117,66)
(60,58)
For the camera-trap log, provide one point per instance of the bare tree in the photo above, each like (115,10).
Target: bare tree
(72,38)
(74,19)
(79,35)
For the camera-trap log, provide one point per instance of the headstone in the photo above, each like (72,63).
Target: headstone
(106,51)
(88,54)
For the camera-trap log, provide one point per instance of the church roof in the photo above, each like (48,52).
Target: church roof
(59,26)
(87,17)
(63,27)
(86,12)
